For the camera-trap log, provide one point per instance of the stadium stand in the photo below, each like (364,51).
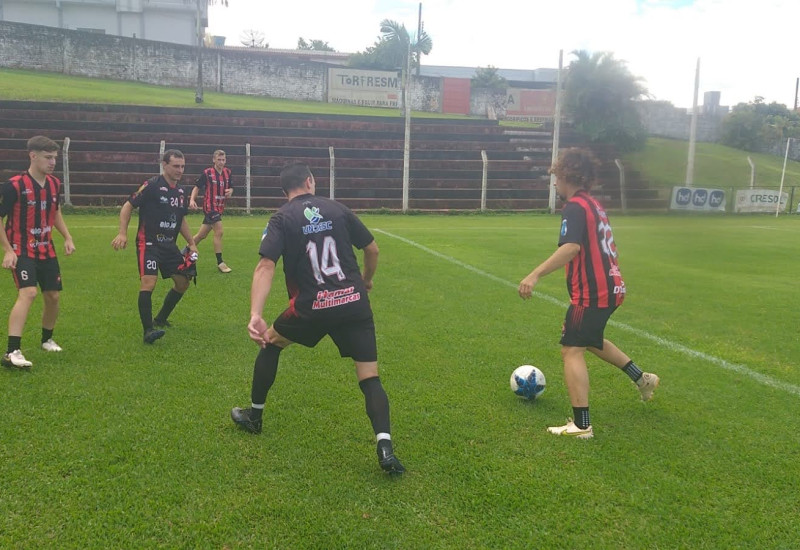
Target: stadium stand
(114,148)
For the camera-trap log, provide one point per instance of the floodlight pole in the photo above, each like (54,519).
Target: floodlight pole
(551,201)
(407,140)
(198,94)
(693,129)
(783,175)
(752,172)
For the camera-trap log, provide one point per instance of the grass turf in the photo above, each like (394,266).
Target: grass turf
(115,444)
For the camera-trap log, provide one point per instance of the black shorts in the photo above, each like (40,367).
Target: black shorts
(583,326)
(354,337)
(30,272)
(163,257)
(211,218)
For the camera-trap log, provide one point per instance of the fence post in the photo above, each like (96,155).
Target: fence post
(161,150)
(623,199)
(67,196)
(484,179)
(247,176)
(332,171)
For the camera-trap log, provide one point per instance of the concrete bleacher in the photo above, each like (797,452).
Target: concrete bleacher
(115,147)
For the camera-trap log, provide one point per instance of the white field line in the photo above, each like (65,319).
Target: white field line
(664,343)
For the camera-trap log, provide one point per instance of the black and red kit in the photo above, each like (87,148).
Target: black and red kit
(593,276)
(316,236)
(161,211)
(30,211)
(214,184)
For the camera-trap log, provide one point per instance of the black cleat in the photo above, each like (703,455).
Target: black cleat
(158,323)
(242,418)
(389,463)
(151,335)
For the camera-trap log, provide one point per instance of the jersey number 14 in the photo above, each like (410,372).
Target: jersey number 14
(326,263)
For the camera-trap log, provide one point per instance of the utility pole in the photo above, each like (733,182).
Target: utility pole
(419,34)
(693,129)
(198,94)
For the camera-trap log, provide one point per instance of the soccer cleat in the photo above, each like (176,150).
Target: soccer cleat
(242,418)
(647,385)
(158,323)
(16,360)
(572,430)
(50,345)
(151,335)
(222,266)
(388,462)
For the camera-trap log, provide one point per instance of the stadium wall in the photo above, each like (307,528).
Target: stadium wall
(662,119)
(260,72)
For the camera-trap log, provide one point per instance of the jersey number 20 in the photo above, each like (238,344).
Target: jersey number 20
(327,263)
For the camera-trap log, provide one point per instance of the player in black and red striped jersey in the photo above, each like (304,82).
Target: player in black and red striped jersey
(162,208)
(30,204)
(586,247)
(217,187)
(315,236)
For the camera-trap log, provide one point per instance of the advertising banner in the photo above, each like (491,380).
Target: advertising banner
(697,199)
(530,105)
(366,88)
(760,200)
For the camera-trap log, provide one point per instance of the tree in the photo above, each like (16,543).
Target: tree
(755,126)
(599,95)
(253,39)
(488,78)
(316,45)
(391,49)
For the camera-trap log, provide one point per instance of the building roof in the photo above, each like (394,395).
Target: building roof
(515,75)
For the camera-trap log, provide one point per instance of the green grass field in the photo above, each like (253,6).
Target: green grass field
(663,163)
(114,444)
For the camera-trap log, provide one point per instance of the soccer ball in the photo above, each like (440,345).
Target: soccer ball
(528,382)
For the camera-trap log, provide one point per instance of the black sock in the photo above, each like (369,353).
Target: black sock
(377,404)
(581,416)
(633,371)
(146,309)
(14,343)
(219,258)
(170,301)
(47,333)
(264,371)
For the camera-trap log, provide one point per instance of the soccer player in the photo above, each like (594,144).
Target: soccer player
(217,188)
(327,296)
(30,204)
(162,206)
(586,247)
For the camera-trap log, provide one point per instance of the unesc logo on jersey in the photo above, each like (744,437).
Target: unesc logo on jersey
(313,215)
(563,227)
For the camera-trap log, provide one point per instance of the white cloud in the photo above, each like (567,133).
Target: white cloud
(746,48)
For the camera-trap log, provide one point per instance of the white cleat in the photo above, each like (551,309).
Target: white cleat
(571,429)
(51,345)
(647,385)
(223,267)
(16,360)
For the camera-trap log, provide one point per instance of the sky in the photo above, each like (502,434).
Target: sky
(745,47)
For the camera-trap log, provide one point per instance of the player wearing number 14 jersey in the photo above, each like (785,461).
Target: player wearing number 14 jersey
(315,237)
(587,250)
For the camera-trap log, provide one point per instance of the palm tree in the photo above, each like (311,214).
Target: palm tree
(600,94)
(397,36)
(391,50)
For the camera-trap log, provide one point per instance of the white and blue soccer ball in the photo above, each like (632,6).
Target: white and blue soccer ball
(528,382)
